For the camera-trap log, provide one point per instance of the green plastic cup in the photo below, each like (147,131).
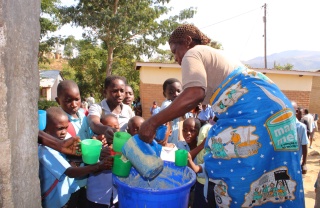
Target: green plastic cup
(181,157)
(119,139)
(90,149)
(121,166)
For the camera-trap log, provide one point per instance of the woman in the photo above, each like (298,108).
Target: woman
(250,107)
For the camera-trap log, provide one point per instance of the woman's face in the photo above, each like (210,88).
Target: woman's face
(178,50)
(172,91)
(115,92)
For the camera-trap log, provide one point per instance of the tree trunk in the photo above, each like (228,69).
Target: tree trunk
(110,61)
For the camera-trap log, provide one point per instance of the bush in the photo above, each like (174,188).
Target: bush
(45,104)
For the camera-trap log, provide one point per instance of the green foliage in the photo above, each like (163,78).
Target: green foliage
(45,104)
(284,67)
(131,24)
(216,45)
(49,22)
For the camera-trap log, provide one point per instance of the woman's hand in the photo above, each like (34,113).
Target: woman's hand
(147,132)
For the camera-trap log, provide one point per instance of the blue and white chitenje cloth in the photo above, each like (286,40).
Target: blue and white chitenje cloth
(252,151)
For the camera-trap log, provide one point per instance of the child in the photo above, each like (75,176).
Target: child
(134,125)
(100,190)
(168,149)
(58,186)
(171,89)
(190,131)
(110,120)
(69,99)
(199,199)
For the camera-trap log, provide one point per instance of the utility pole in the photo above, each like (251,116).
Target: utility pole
(265,35)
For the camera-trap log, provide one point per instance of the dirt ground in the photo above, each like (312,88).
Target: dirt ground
(313,169)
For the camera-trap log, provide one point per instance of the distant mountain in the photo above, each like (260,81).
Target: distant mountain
(301,60)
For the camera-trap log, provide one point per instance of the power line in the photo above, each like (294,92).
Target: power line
(230,18)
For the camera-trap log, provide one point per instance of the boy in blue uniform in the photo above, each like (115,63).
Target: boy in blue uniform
(55,173)
(69,99)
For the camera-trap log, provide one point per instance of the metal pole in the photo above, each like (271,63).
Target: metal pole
(265,35)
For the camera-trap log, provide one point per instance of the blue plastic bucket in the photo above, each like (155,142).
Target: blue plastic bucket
(169,189)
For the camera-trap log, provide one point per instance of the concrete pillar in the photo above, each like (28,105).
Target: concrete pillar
(19,85)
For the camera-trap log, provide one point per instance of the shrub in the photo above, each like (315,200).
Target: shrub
(45,104)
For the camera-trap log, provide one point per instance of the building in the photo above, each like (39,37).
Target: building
(49,80)
(301,86)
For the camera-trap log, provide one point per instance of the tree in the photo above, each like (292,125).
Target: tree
(216,45)
(49,22)
(121,23)
(284,67)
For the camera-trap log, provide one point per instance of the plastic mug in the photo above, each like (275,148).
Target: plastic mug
(143,156)
(42,119)
(121,166)
(91,149)
(181,157)
(119,139)
(161,133)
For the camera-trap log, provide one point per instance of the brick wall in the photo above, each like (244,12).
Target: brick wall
(302,98)
(148,94)
(305,99)
(315,96)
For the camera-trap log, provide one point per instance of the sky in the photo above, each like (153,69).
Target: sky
(238,25)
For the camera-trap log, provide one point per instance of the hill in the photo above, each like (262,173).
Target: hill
(301,60)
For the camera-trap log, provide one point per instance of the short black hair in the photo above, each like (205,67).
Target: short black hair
(169,82)
(111,78)
(53,113)
(64,85)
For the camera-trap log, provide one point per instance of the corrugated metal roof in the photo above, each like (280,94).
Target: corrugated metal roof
(48,77)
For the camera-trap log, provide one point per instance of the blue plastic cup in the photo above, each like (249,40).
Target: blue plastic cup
(42,119)
(161,133)
(143,156)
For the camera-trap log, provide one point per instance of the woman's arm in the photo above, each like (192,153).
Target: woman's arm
(186,101)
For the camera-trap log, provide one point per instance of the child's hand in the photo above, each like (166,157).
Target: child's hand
(109,134)
(189,156)
(105,152)
(106,164)
(102,139)
(71,146)
(203,142)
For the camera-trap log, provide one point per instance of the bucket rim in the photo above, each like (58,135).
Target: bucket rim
(190,183)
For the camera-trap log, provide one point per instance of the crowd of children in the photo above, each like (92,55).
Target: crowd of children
(67,182)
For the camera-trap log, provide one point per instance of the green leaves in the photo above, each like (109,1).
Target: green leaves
(119,23)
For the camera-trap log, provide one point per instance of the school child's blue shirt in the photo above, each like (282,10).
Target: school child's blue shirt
(52,166)
(82,129)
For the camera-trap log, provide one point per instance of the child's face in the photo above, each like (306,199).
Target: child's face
(70,100)
(168,133)
(58,127)
(189,132)
(112,122)
(129,96)
(115,92)
(172,91)
(134,127)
